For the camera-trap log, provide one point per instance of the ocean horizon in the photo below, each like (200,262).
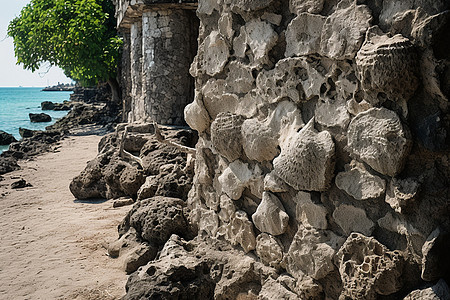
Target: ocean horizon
(17,102)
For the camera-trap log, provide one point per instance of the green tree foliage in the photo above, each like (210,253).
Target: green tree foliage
(79,36)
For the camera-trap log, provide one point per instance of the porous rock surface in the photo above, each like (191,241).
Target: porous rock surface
(322,163)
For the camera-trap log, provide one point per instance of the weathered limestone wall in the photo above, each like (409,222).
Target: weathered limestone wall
(162,46)
(324,142)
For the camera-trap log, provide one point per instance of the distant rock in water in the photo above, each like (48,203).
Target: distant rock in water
(6,138)
(47,105)
(35,118)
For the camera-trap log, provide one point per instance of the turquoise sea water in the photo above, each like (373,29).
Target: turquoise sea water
(17,102)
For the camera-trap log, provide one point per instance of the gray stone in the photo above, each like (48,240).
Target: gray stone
(301,6)
(309,213)
(226,135)
(401,193)
(269,250)
(343,31)
(387,67)
(359,183)
(353,219)
(368,268)
(241,231)
(303,35)
(378,138)
(270,216)
(157,218)
(306,161)
(439,291)
(38,118)
(309,254)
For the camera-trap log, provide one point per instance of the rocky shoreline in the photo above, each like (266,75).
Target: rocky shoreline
(86,108)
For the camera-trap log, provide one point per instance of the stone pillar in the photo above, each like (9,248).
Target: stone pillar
(167,55)
(137,108)
(125,75)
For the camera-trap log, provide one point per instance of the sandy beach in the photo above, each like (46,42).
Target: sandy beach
(53,246)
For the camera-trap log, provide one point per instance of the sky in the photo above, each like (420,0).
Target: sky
(12,74)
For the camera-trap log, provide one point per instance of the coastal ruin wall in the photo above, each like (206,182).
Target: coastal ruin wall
(160,42)
(323,140)
(323,151)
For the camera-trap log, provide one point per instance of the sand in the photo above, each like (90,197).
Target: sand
(52,246)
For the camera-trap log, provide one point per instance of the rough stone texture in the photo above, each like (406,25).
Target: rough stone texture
(368,268)
(156,219)
(351,219)
(306,161)
(311,6)
(269,249)
(401,194)
(216,53)
(273,66)
(310,254)
(303,35)
(259,37)
(343,31)
(439,291)
(270,216)
(309,213)
(8,164)
(360,184)
(226,135)
(241,231)
(378,138)
(387,67)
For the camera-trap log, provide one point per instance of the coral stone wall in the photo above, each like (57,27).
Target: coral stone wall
(324,146)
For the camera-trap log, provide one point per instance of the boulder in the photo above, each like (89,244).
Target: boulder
(36,118)
(310,213)
(155,219)
(8,164)
(310,6)
(303,35)
(226,135)
(20,184)
(6,138)
(241,231)
(387,67)
(47,105)
(176,274)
